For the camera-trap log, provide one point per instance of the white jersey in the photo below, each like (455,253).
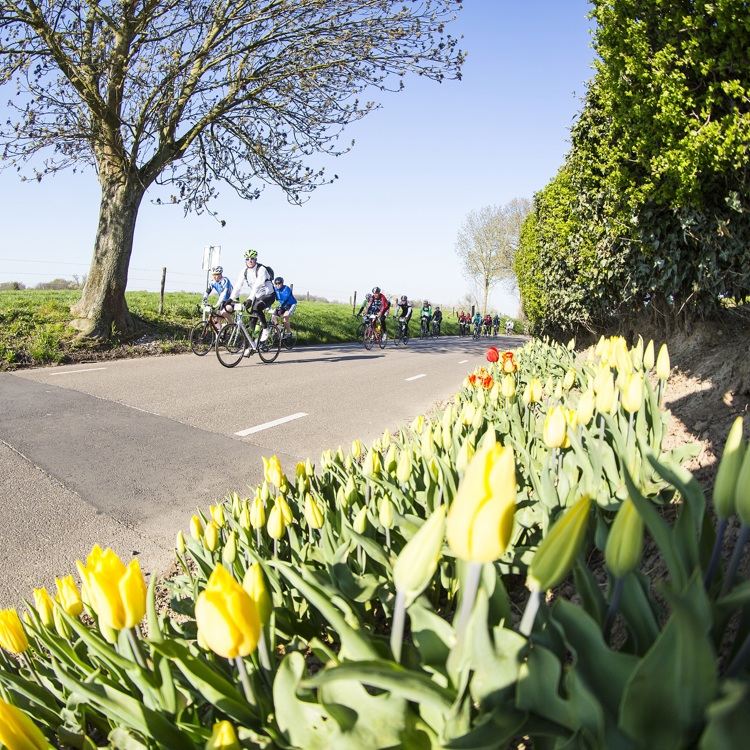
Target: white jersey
(258,280)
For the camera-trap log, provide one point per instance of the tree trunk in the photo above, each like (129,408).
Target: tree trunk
(102,309)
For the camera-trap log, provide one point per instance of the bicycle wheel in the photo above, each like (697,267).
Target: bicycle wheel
(269,349)
(230,345)
(361,332)
(381,334)
(369,337)
(289,340)
(202,338)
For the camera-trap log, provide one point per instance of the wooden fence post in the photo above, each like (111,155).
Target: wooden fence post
(161,294)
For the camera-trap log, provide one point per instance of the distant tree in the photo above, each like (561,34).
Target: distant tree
(487,243)
(193,92)
(57,284)
(11,286)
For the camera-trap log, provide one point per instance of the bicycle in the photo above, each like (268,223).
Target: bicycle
(424,328)
(435,329)
(288,339)
(402,331)
(477,330)
(235,338)
(203,333)
(373,332)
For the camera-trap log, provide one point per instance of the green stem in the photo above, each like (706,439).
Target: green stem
(718,544)
(397,630)
(135,647)
(265,660)
(468,597)
(245,680)
(529,615)
(734,563)
(614,605)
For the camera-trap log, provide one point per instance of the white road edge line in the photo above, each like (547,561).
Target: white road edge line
(73,372)
(266,425)
(417,377)
(463,361)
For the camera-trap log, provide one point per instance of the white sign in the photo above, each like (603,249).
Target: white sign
(211,256)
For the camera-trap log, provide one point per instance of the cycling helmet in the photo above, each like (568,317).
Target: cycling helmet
(376,290)
(403,298)
(426,303)
(217,270)
(278,280)
(368,296)
(251,255)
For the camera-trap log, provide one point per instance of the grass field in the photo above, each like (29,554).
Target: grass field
(34,326)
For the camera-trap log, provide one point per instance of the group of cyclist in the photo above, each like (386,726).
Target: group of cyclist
(479,324)
(263,291)
(377,305)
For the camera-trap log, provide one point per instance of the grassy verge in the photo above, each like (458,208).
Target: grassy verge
(35,330)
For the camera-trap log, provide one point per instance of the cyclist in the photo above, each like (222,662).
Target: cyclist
(368,297)
(260,295)
(476,321)
(463,324)
(223,287)
(496,325)
(437,319)
(403,312)
(287,305)
(487,323)
(378,306)
(425,316)
(508,327)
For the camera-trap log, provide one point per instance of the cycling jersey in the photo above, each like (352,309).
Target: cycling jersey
(222,287)
(284,296)
(403,310)
(378,305)
(426,313)
(258,281)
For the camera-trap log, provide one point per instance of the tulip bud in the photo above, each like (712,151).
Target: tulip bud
(257,513)
(244,519)
(480,520)
(385,513)
(509,387)
(571,345)
(569,380)
(180,543)
(586,406)
(742,490)
(272,471)
(404,465)
(326,459)
(217,514)
(254,583)
(605,396)
(356,449)
(360,521)
(557,552)
(44,607)
(229,552)
(533,391)
(309,468)
(339,457)
(235,504)
(227,618)
(554,430)
(448,418)
(426,443)
(625,541)
(648,356)
(313,513)
(729,470)
(632,395)
(18,731)
(196,528)
(391,458)
(69,596)
(417,424)
(371,466)
(419,558)
(350,492)
(276,526)
(663,366)
(286,511)
(223,737)
(12,635)
(211,536)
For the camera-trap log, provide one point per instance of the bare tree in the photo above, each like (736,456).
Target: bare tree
(194,92)
(487,243)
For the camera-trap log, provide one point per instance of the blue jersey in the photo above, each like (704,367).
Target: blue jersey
(222,287)
(284,296)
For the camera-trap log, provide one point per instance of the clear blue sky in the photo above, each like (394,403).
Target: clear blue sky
(432,154)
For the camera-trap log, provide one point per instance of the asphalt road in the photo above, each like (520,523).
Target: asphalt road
(122,453)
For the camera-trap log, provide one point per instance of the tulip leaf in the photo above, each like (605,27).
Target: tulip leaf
(637,609)
(492,730)
(372,548)
(396,679)
(212,685)
(728,718)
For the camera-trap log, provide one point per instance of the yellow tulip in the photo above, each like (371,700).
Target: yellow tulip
(356,449)
(663,366)
(12,635)
(391,458)
(257,513)
(18,731)
(569,380)
(465,454)
(272,471)
(417,424)
(385,513)
(372,465)
(326,459)
(586,405)
(480,520)
(554,429)
(223,737)
(533,391)
(729,470)
(624,546)
(276,526)
(180,543)
(605,395)
(244,519)
(196,528)
(648,356)
(217,515)
(509,387)
(229,551)
(404,466)
(211,537)
(117,592)
(418,560)
(286,511)
(254,583)
(632,396)
(45,607)
(68,595)
(313,513)
(227,618)
(360,521)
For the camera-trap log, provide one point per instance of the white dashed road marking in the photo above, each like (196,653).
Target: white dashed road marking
(73,372)
(463,361)
(274,423)
(417,377)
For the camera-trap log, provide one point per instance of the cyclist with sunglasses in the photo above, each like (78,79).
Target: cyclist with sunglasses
(259,281)
(287,304)
(223,287)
